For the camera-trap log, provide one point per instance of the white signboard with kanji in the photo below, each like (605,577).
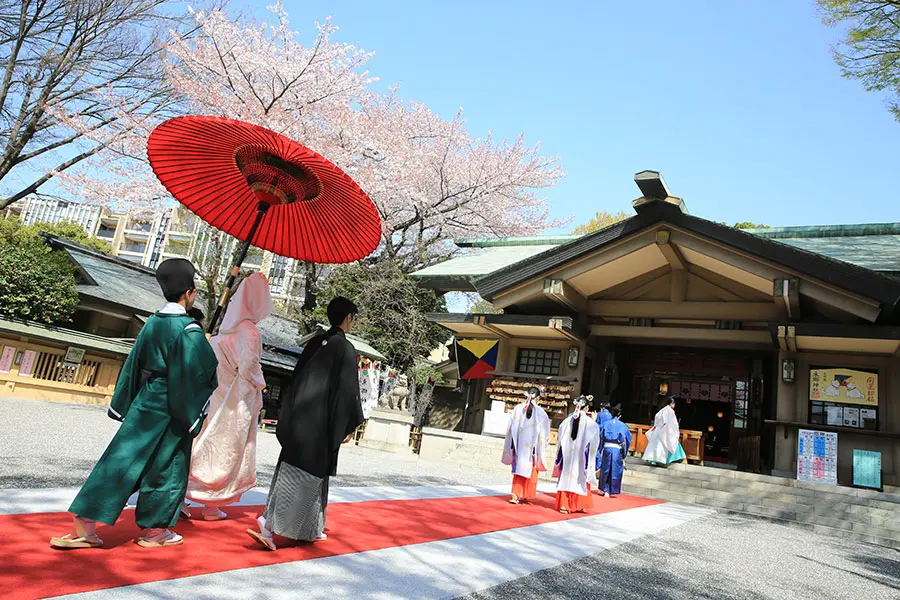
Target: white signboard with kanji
(817,457)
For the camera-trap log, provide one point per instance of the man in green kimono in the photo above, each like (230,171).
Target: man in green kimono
(161,399)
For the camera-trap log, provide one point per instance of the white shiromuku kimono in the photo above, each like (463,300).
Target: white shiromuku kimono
(223,459)
(526,440)
(575,458)
(663,438)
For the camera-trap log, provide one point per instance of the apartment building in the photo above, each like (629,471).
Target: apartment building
(172,233)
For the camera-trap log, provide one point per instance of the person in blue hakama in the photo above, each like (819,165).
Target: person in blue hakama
(615,438)
(602,417)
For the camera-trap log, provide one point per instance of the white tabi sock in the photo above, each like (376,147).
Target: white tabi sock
(85,528)
(158,534)
(263,530)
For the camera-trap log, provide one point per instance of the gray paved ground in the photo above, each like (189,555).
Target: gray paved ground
(723,557)
(719,557)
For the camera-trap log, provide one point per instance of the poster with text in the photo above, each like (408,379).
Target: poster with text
(817,457)
(27,366)
(868,417)
(867,469)
(844,386)
(851,417)
(6,358)
(835,415)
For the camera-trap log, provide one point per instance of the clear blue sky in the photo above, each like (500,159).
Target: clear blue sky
(739,104)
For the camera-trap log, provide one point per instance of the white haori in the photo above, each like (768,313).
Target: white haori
(526,439)
(663,437)
(577,455)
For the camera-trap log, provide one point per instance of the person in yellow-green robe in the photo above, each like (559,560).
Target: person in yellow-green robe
(161,399)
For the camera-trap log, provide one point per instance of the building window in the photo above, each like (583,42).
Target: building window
(277,274)
(741,404)
(539,362)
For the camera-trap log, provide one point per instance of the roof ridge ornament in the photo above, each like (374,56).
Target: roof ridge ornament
(654,189)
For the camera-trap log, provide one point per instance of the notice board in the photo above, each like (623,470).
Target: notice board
(867,469)
(817,456)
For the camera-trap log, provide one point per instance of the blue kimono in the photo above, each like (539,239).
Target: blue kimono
(603,417)
(615,438)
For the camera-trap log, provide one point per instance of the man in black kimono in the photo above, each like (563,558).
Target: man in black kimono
(320,412)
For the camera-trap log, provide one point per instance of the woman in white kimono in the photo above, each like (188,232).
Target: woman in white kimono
(663,439)
(526,438)
(223,459)
(579,438)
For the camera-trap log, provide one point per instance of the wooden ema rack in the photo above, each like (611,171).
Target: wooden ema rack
(510,388)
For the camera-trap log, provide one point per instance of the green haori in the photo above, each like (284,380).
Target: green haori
(150,453)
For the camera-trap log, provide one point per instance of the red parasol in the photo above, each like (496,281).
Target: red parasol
(264,189)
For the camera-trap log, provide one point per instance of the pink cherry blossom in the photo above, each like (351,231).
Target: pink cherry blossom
(430,178)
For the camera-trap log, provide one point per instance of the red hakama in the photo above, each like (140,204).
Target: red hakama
(525,488)
(573,502)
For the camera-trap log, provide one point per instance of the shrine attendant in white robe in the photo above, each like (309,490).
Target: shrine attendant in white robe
(223,460)
(664,438)
(526,438)
(578,438)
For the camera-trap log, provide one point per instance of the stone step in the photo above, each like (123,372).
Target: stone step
(751,489)
(715,478)
(860,527)
(776,505)
(805,496)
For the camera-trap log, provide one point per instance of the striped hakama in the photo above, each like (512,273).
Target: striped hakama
(296,504)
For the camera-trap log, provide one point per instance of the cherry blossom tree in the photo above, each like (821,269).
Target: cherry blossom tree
(433,181)
(430,178)
(77,74)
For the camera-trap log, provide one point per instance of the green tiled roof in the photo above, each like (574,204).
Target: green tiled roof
(363,347)
(280,332)
(874,246)
(537,240)
(134,287)
(878,253)
(69,337)
(482,261)
(117,281)
(825,231)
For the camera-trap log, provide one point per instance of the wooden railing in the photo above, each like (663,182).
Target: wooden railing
(45,376)
(49,366)
(693,442)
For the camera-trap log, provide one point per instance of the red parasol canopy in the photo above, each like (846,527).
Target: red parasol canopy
(222,170)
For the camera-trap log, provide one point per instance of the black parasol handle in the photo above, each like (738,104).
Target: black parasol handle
(261,211)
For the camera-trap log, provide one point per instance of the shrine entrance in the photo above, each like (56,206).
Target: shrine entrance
(715,392)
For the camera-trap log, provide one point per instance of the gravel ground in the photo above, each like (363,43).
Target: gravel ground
(46,444)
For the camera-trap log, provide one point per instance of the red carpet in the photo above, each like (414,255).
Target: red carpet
(31,569)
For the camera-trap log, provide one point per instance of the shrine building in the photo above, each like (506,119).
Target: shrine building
(758,334)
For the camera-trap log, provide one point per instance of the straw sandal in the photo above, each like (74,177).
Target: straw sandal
(267,543)
(71,541)
(170,539)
